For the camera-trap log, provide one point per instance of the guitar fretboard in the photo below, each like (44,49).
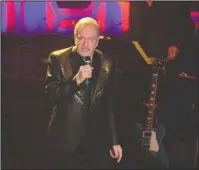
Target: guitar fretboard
(152,98)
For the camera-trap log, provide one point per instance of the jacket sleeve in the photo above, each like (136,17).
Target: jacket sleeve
(57,87)
(111,101)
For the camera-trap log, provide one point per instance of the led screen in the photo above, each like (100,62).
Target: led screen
(24,17)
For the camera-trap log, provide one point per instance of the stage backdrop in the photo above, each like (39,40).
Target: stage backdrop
(24,17)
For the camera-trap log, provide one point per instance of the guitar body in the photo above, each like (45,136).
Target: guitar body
(145,138)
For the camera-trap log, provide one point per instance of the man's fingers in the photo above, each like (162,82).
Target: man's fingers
(116,153)
(119,155)
(86,72)
(119,158)
(87,75)
(112,153)
(86,67)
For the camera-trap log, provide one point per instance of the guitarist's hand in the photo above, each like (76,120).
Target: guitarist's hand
(153,143)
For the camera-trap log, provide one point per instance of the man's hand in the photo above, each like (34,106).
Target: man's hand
(186,76)
(172,52)
(183,75)
(116,152)
(85,72)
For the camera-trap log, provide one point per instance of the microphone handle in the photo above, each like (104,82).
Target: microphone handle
(87,81)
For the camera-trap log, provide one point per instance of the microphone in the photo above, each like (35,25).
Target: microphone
(87,61)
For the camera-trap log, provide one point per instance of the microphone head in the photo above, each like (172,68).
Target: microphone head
(87,60)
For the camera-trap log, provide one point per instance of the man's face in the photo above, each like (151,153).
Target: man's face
(87,40)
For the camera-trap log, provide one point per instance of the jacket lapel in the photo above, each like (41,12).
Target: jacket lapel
(65,65)
(69,63)
(103,78)
(69,66)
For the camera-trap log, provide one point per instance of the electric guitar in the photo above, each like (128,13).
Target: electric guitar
(152,133)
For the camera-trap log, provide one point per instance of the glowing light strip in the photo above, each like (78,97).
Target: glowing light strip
(143,54)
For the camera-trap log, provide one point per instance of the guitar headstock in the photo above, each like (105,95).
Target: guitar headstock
(160,64)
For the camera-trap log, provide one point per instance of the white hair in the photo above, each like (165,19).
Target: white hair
(86,21)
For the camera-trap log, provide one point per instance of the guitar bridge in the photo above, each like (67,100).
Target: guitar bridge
(146,134)
(145,140)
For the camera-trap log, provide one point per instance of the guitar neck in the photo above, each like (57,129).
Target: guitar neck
(152,99)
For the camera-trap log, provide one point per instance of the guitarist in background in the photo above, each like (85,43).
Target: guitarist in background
(162,29)
(176,98)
